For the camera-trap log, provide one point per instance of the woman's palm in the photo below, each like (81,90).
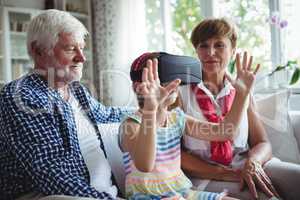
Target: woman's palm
(245,76)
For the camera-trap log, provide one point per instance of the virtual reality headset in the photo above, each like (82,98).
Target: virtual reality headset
(171,67)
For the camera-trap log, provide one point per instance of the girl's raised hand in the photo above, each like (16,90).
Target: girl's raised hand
(150,90)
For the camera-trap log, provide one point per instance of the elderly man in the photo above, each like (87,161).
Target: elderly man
(49,120)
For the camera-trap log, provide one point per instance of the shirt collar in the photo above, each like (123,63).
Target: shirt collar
(224,91)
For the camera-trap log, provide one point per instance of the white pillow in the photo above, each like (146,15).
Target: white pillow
(109,133)
(273,110)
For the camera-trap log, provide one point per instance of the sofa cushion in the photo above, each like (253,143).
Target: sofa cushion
(109,133)
(273,110)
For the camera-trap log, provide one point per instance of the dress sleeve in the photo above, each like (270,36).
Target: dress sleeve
(121,133)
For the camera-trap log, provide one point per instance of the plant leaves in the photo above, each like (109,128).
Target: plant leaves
(295,77)
(290,63)
(278,68)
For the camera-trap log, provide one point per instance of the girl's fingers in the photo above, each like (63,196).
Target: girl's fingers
(245,60)
(250,63)
(145,75)
(138,89)
(145,91)
(150,70)
(256,69)
(155,69)
(172,86)
(141,88)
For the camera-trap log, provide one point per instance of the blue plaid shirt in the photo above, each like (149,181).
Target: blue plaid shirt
(39,149)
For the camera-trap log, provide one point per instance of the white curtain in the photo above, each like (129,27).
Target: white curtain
(119,36)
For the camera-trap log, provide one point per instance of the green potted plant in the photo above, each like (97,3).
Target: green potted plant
(290,65)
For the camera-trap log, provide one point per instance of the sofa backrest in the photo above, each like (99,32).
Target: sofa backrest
(273,110)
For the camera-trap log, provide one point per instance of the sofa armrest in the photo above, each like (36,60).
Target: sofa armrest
(295,119)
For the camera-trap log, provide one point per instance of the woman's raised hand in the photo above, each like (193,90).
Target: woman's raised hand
(150,89)
(245,76)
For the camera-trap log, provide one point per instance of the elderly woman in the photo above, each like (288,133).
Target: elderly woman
(246,161)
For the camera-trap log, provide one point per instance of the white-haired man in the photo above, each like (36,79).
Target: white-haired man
(46,116)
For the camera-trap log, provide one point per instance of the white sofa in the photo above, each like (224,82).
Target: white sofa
(295,119)
(283,131)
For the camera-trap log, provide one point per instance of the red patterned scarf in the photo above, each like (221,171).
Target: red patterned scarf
(221,152)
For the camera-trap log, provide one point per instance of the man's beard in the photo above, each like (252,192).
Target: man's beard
(66,74)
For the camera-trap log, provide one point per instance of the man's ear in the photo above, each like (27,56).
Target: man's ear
(35,49)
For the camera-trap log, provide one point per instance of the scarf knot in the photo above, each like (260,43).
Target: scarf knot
(221,152)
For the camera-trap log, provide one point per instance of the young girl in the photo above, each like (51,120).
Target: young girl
(150,138)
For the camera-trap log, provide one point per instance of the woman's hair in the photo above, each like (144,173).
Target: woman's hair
(214,27)
(136,71)
(45,28)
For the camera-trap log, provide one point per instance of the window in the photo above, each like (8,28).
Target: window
(170,22)
(290,13)
(185,15)
(154,26)
(251,18)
